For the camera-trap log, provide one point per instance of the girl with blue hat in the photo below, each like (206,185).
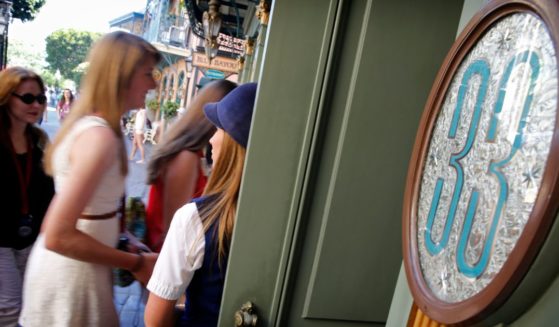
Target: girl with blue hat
(194,255)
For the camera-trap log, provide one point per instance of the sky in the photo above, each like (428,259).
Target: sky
(85,15)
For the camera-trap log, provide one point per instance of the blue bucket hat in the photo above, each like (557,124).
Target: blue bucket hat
(233,113)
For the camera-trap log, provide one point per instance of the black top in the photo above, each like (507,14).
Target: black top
(40,191)
(203,294)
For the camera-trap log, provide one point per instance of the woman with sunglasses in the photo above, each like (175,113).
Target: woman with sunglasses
(26,190)
(68,281)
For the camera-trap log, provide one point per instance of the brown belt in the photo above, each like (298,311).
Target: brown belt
(102,216)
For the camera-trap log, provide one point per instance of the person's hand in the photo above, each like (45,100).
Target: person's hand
(134,245)
(146,268)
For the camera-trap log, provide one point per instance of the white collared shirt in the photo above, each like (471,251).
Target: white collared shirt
(181,255)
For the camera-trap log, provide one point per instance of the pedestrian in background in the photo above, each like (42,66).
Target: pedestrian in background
(65,104)
(52,96)
(68,280)
(26,190)
(139,129)
(195,251)
(45,117)
(175,172)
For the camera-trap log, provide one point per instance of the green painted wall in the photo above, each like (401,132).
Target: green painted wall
(342,87)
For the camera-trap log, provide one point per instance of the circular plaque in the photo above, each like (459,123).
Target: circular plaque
(481,193)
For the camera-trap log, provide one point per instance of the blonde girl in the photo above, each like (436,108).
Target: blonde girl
(68,280)
(195,252)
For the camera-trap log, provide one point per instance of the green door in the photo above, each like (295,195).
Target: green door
(342,87)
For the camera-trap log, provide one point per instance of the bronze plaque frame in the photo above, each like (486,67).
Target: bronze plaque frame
(518,263)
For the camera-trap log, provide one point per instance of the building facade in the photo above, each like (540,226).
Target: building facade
(401,166)
(176,29)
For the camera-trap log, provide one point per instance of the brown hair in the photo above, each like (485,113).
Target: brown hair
(223,188)
(10,79)
(191,132)
(63,98)
(113,61)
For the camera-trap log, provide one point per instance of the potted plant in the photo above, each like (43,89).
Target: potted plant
(152,105)
(169,109)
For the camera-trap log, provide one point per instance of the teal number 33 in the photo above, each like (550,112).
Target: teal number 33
(482,69)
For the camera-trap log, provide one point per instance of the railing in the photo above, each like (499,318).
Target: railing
(163,27)
(175,36)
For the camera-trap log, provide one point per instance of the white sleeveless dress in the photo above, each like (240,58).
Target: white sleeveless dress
(60,291)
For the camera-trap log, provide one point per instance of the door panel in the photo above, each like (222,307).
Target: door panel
(351,253)
(281,133)
(339,212)
(317,240)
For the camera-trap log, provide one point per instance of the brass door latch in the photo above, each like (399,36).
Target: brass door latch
(246,316)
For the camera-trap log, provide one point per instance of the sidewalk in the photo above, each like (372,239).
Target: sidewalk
(130,304)
(129,301)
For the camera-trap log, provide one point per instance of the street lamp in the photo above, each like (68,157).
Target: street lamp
(5,16)
(211,20)
(188,85)
(189,66)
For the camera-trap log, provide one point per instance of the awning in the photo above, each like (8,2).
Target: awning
(181,52)
(203,81)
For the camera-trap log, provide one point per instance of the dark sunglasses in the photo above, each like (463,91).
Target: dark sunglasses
(29,98)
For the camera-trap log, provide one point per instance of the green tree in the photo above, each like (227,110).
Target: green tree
(67,49)
(23,55)
(49,79)
(26,10)
(20,54)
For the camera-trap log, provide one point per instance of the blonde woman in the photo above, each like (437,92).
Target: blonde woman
(175,170)
(195,251)
(68,280)
(26,190)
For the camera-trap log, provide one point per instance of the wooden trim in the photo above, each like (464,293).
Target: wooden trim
(419,319)
(535,232)
(413,315)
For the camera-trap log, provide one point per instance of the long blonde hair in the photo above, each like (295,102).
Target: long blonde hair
(112,63)
(191,132)
(10,79)
(223,189)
